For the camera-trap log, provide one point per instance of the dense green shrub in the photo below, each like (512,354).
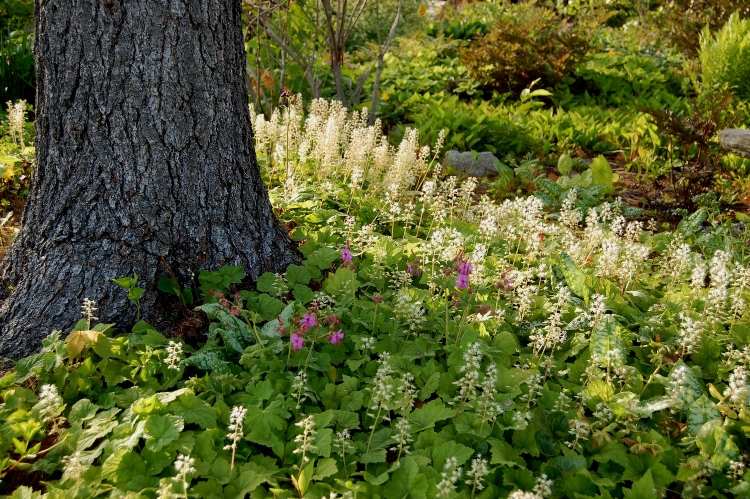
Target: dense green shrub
(16,157)
(528,43)
(458,29)
(472,126)
(725,59)
(419,66)
(626,76)
(680,20)
(16,50)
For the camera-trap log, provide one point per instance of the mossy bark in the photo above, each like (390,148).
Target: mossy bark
(145,162)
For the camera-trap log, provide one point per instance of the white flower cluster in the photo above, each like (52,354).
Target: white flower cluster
(467,385)
(542,489)
(477,471)
(300,389)
(689,334)
(409,310)
(174,355)
(236,429)
(449,477)
(16,121)
(402,437)
(552,335)
(738,389)
(88,309)
(390,392)
(305,439)
(720,274)
(184,465)
(50,402)
(341,143)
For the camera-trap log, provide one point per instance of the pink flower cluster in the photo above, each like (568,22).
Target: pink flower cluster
(308,322)
(346,255)
(462,279)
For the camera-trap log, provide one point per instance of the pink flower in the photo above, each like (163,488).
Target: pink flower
(297,342)
(336,337)
(346,255)
(464,268)
(462,281)
(308,322)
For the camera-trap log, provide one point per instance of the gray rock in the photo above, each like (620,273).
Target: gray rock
(470,163)
(736,140)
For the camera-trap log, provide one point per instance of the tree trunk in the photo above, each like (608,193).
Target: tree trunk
(145,163)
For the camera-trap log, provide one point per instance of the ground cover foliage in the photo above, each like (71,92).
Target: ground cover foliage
(530,335)
(436,340)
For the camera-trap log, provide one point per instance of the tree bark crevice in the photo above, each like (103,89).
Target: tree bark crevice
(145,163)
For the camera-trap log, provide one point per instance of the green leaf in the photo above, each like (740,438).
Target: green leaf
(81,411)
(266,283)
(162,430)
(126,282)
(194,410)
(575,278)
(451,448)
(503,454)
(269,307)
(601,174)
(266,426)
(342,285)
(565,164)
(271,328)
(297,274)
(643,488)
(220,280)
(429,414)
(325,468)
(249,477)
(322,258)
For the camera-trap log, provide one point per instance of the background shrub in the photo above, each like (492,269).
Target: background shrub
(16,50)
(725,59)
(680,20)
(472,126)
(528,43)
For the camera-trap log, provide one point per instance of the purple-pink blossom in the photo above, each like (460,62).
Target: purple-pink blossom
(464,267)
(346,255)
(308,322)
(462,281)
(297,342)
(336,337)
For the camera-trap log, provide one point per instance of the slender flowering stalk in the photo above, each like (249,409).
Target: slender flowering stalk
(305,439)
(236,431)
(403,437)
(16,121)
(50,403)
(343,442)
(185,465)
(470,369)
(88,309)
(476,474)
(174,355)
(300,389)
(448,478)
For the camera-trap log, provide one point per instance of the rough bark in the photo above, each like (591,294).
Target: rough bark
(736,140)
(145,162)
